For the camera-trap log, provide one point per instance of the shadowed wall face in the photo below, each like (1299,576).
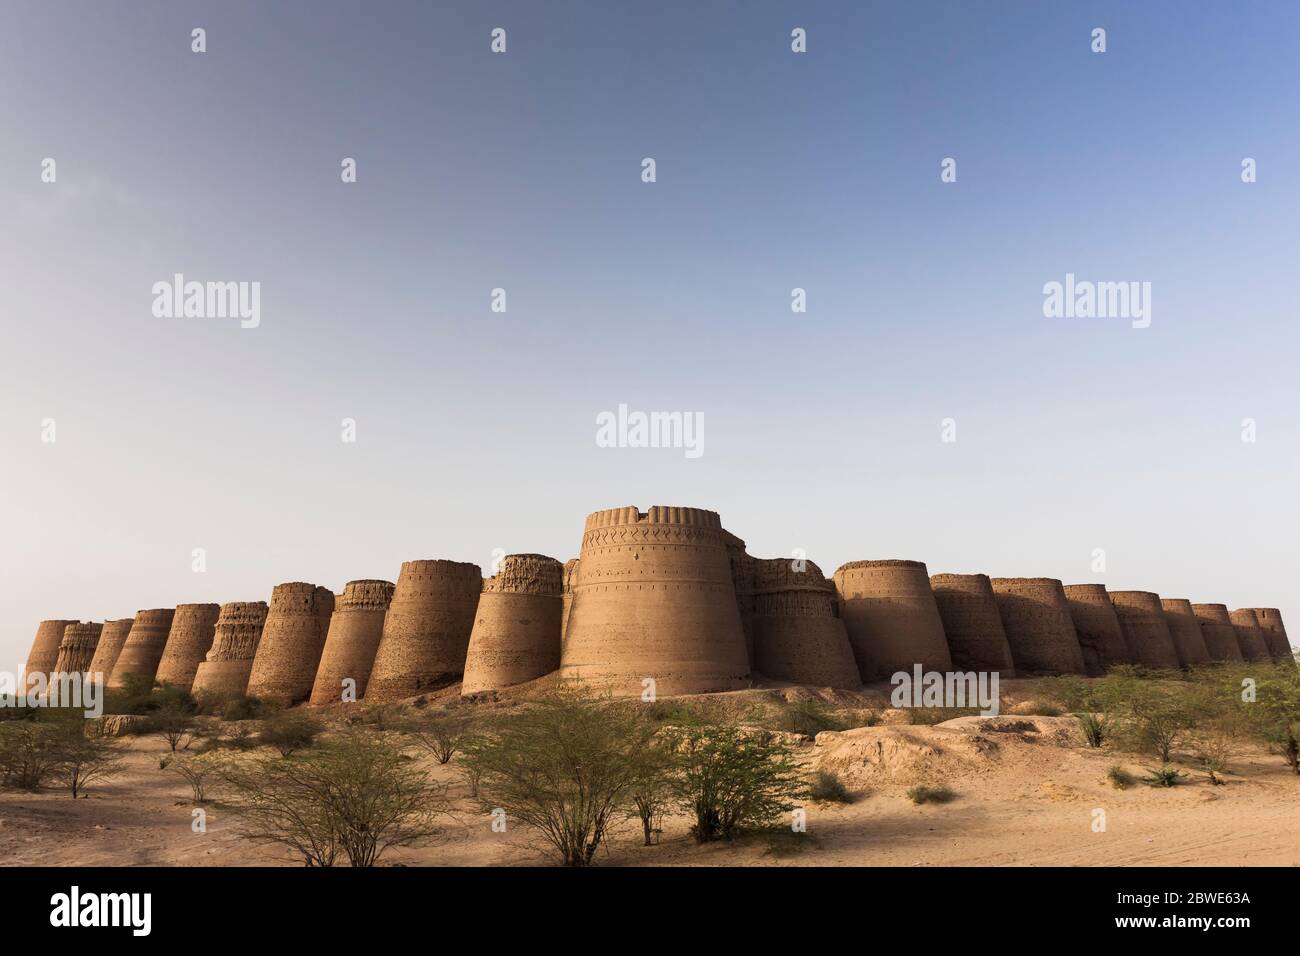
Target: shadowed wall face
(891,617)
(972,623)
(111,640)
(426,630)
(1279,645)
(284,667)
(1143,621)
(570,578)
(516,636)
(654,601)
(354,632)
(1101,639)
(225,671)
(193,628)
(1219,634)
(144,647)
(798,637)
(78,648)
(1185,631)
(1040,630)
(742,582)
(44,654)
(1250,636)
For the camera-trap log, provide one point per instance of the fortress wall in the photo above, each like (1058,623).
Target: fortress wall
(1143,621)
(239,630)
(44,654)
(570,577)
(284,666)
(144,646)
(655,599)
(1040,630)
(972,624)
(1220,636)
(355,628)
(1100,637)
(77,649)
(189,641)
(742,582)
(427,629)
(1250,636)
(1279,645)
(111,639)
(891,617)
(797,635)
(1186,631)
(516,634)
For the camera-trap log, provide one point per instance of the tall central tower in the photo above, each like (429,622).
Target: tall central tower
(654,599)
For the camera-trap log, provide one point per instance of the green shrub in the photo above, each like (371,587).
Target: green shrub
(829,788)
(31,754)
(1094,728)
(806,717)
(1165,776)
(923,793)
(289,731)
(1119,778)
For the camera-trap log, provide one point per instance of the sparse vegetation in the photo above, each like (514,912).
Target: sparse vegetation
(1152,716)
(442,732)
(198,770)
(31,754)
(1119,778)
(1164,776)
(925,793)
(829,788)
(289,731)
(1094,727)
(807,717)
(929,716)
(86,756)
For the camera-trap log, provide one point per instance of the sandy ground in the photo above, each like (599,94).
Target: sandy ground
(1028,794)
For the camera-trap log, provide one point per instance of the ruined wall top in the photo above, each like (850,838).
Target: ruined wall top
(886,563)
(779,574)
(365,595)
(658,514)
(527,574)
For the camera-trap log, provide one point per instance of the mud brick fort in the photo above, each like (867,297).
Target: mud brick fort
(664,600)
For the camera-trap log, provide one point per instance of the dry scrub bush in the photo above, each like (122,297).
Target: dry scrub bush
(1151,716)
(566,766)
(87,756)
(356,797)
(289,731)
(1274,715)
(442,732)
(829,788)
(199,770)
(924,793)
(30,754)
(1119,778)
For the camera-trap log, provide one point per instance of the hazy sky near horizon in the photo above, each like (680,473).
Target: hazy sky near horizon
(476,430)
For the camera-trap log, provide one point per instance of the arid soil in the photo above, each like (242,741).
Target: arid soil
(1028,792)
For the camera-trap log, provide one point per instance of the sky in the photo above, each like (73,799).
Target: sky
(475,430)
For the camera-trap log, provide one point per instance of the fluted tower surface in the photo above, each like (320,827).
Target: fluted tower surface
(426,631)
(1143,621)
(44,653)
(1220,636)
(284,667)
(1186,632)
(111,640)
(193,629)
(224,672)
(1279,645)
(570,577)
(78,648)
(1250,636)
(654,599)
(972,623)
(893,621)
(1040,629)
(798,636)
(742,580)
(1100,637)
(144,646)
(516,636)
(354,632)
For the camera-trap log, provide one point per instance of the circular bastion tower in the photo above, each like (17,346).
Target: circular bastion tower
(1279,645)
(516,635)
(893,621)
(78,648)
(284,667)
(193,629)
(1186,632)
(354,632)
(1100,637)
(1040,630)
(1250,636)
(1220,636)
(1143,621)
(426,630)
(798,637)
(654,599)
(225,671)
(111,639)
(44,654)
(144,646)
(972,624)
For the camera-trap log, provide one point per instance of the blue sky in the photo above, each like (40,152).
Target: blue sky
(775,170)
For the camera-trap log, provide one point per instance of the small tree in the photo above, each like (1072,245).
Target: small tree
(1274,715)
(290,731)
(31,754)
(86,756)
(730,779)
(174,723)
(1153,716)
(567,766)
(651,792)
(199,770)
(441,733)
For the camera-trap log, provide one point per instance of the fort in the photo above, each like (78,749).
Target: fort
(659,602)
